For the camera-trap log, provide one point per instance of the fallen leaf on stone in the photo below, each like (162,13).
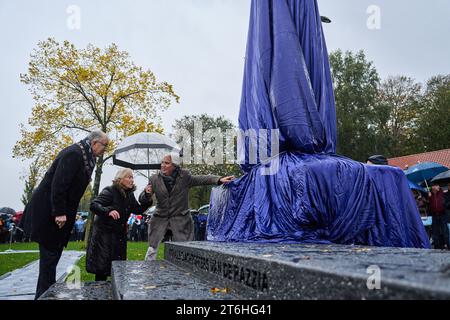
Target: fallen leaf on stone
(217,290)
(150,287)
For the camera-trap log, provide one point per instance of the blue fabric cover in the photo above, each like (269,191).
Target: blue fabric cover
(313,195)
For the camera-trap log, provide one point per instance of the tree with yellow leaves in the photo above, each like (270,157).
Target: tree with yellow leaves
(79,90)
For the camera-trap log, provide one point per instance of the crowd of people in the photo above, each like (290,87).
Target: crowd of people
(9,232)
(137,228)
(434,204)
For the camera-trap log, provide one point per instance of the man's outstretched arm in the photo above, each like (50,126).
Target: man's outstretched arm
(209,180)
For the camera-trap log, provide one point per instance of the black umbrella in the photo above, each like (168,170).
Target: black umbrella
(378,159)
(8,210)
(144,151)
(442,178)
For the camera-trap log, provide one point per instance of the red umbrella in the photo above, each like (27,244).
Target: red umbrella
(17,217)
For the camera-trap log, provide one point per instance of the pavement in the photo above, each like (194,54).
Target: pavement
(20,284)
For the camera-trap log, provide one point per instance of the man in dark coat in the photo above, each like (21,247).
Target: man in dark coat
(171,187)
(439,223)
(50,214)
(447,210)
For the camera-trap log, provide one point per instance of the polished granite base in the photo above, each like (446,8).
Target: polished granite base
(294,271)
(86,291)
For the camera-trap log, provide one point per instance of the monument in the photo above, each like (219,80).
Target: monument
(304,192)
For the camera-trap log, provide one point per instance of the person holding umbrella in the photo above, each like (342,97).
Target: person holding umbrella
(171,188)
(423,172)
(439,223)
(447,208)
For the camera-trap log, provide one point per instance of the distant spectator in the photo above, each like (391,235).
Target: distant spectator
(377,160)
(143,230)
(130,225)
(447,206)
(202,219)
(199,226)
(135,229)
(3,231)
(79,228)
(196,225)
(422,203)
(439,224)
(18,233)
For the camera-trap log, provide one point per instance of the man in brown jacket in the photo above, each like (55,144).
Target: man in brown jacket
(171,188)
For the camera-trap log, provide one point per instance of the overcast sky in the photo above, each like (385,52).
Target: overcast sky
(199,47)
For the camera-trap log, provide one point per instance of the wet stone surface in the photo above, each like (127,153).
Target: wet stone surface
(160,280)
(100,290)
(294,271)
(20,284)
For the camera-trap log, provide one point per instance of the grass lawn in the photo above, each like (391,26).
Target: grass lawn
(10,262)
(77,246)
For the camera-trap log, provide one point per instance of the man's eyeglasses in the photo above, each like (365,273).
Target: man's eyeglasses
(103,144)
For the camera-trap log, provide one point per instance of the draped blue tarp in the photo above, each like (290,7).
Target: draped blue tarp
(287,83)
(311,195)
(318,199)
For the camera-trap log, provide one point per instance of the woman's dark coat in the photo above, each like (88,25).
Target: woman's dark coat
(58,194)
(108,241)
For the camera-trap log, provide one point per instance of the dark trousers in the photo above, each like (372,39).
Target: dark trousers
(100,277)
(48,260)
(440,232)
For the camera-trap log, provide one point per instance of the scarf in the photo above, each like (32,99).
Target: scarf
(124,192)
(169,181)
(88,157)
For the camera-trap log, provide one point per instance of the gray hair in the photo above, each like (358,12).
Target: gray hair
(96,135)
(174,156)
(122,174)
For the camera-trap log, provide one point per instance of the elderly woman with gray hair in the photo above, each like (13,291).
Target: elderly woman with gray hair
(112,209)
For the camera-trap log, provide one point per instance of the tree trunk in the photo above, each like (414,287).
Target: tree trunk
(95,191)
